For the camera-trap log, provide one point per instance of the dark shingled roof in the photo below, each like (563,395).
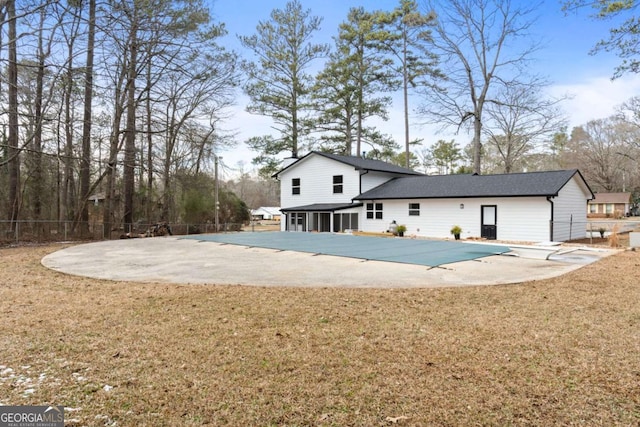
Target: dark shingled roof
(360,163)
(461,186)
(369,164)
(318,207)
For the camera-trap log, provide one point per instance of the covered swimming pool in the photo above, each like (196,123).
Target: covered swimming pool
(430,253)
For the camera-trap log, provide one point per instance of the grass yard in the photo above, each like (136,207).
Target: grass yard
(564,351)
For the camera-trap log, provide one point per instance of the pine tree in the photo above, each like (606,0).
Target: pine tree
(406,38)
(278,84)
(346,91)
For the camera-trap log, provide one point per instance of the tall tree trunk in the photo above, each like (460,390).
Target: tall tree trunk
(477,144)
(348,149)
(294,122)
(110,172)
(68,195)
(13,151)
(202,148)
(85,163)
(114,149)
(109,192)
(405,93)
(169,144)
(149,144)
(360,101)
(37,137)
(130,133)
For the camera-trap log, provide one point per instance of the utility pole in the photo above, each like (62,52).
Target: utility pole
(217,188)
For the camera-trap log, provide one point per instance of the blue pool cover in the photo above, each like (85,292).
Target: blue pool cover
(431,253)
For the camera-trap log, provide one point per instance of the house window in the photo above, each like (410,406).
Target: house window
(295,186)
(345,221)
(609,208)
(414,209)
(337,184)
(593,208)
(374,210)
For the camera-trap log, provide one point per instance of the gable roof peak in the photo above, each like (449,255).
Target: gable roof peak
(359,163)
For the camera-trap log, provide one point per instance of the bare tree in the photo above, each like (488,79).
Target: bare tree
(520,121)
(470,39)
(629,154)
(596,147)
(629,112)
(51,81)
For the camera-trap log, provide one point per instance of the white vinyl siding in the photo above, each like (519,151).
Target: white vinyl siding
(316,182)
(372,179)
(570,212)
(518,218)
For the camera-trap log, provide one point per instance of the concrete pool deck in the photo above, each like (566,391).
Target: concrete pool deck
(189,261)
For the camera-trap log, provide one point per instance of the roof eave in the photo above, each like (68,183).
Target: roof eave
(406,197)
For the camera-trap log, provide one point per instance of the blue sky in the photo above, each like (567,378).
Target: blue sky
(564,59)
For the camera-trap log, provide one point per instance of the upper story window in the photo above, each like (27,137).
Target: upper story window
(337,184)
(295,186)
(374,210)
(414,209)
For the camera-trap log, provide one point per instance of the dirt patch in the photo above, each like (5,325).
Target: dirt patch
(564,351)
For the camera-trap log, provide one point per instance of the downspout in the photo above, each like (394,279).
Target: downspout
(362,212)
(360,189)
(551,220)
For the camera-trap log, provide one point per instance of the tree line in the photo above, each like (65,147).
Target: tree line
(116,102)
(122,103)
(466,65)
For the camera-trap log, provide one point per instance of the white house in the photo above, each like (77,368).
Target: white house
(327,192)
(269,213)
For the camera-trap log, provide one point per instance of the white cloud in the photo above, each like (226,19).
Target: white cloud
(596,97)
(244,125)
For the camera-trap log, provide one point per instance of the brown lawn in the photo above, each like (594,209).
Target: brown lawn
(564,351)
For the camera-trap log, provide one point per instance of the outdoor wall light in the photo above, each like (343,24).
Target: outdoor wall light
(461,205)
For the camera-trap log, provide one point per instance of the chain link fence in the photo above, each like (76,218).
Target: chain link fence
(14,232)
(595,231)
(605,228)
